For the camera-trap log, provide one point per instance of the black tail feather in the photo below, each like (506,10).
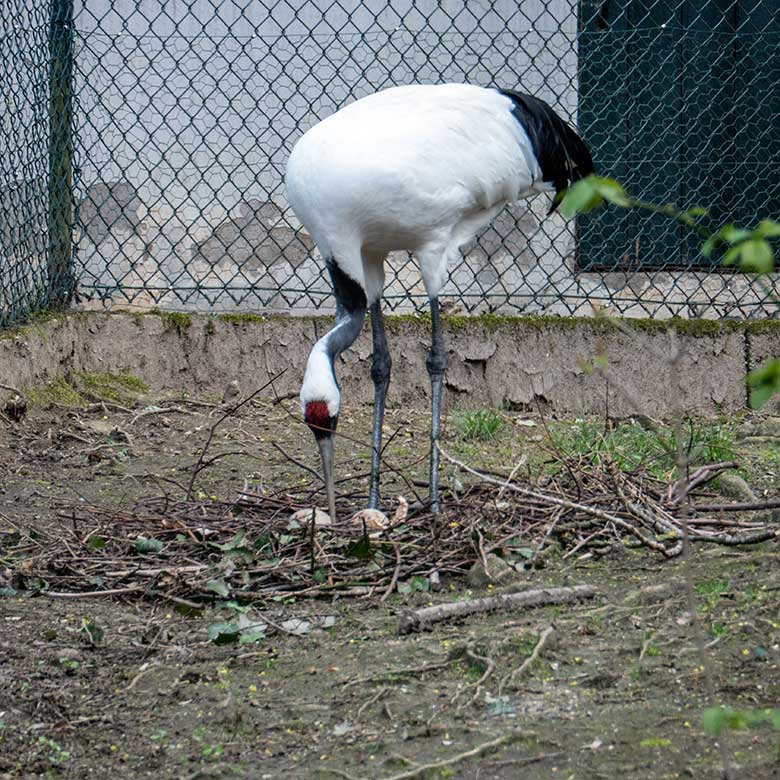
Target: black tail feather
(562,155)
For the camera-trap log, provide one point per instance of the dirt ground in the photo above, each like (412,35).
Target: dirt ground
(128,687)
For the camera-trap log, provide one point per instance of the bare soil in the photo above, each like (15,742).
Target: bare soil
(129,687)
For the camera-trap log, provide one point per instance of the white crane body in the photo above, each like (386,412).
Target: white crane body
(420,168)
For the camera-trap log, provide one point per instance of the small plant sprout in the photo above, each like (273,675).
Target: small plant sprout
(480,425)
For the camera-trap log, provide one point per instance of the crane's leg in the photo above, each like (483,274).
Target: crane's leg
(380,373)
(437,365)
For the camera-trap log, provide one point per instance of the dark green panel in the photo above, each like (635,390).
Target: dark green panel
(654,143)
(707,126)
(630,114)
(681,110)
(603,121)
(755,164)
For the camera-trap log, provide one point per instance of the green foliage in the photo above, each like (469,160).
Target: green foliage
(630,445)
(241,628)
(91,632)
(716,720)
(54,751)
(750,250)
(360,549)
(481,425)
(591,192)
(764,382)
(416,583)
(144,546)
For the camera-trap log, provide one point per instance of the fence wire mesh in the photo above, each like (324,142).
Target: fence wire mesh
(184,114)
(35,217)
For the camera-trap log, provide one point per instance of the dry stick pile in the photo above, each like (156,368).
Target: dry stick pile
(196,551)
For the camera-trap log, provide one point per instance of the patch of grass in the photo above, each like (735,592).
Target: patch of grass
(481,425)
(121,388)
(710,591)
(240,318)
(174,320)
(58,391)
(631,445)
(84,387)
(716,586)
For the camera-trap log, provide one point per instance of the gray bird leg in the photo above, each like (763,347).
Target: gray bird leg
(380,373)
(437,365)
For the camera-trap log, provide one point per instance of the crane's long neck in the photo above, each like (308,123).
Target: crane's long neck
(319,381)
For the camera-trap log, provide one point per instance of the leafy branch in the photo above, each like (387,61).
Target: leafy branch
(749,250)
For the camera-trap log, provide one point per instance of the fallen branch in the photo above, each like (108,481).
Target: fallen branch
(90,593)
(741,506)
(588,510)
(422,769)
(422,618)
(543,637)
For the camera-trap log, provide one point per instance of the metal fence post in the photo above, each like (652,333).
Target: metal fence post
(61,282)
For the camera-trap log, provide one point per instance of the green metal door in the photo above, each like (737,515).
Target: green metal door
(679,100)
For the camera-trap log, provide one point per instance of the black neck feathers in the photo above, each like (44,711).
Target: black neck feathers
(560,152)
(350,310)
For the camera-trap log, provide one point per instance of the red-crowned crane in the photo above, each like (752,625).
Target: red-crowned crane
(420,168)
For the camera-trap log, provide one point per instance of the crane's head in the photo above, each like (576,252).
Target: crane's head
(320,401)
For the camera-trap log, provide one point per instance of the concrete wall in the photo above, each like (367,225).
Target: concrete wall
(513,362)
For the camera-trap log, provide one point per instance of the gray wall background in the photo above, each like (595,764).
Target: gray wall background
(187,112)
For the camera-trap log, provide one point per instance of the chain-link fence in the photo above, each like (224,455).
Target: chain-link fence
(35,158)
(184,113)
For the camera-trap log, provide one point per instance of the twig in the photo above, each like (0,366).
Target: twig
(158,410)
(90,593)
(411,670)
(652,543)
(366,704)
(396,572)
(741,506)
(231,411)
(298,463)
(476,751)
(422,618)
(543,637)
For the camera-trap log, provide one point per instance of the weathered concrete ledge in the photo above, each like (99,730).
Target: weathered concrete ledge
(498,361)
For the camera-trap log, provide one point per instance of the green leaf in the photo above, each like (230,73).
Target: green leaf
(92,632)
(732,255)
(611,191)
(709,246)
(420,583)
(96,542)
(694,212)
(238,541)
(713,720)
(732,234)
(220,587)
(224,633)
(764,382)
(579,198)
(361,549)
(767,228)
(756,256)
(142,545)
(251,637)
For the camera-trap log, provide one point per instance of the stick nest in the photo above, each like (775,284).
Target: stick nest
(196,552)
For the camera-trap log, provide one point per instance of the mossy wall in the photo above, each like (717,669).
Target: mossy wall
(514,362)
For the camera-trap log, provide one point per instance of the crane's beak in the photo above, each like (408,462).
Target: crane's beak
(325,443)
